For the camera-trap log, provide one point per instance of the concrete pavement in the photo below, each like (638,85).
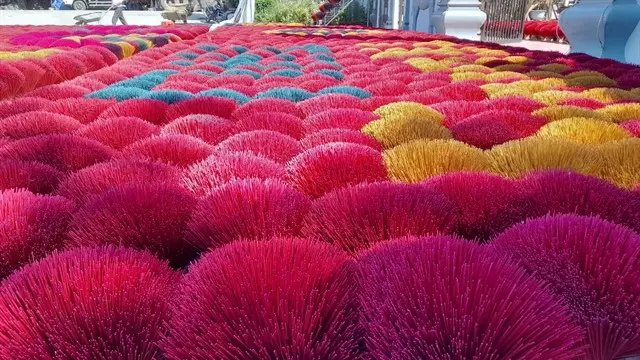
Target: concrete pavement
(65,17)
(542,46)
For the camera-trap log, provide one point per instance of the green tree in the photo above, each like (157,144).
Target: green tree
(285,11)
(262,6)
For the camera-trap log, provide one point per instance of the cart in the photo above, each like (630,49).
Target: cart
(95,16)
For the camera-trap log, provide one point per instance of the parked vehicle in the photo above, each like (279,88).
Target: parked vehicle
(24,4)
(217,12)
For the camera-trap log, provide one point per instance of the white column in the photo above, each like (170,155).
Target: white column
(394,14)
(632,55)
(249,12)
(379,13)
(459,18)
(604,28)
(583,25)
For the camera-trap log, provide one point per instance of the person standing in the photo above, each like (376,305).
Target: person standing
(118,8)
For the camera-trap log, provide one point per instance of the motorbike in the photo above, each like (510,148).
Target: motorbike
(217,12)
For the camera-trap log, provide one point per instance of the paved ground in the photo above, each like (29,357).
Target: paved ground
(541,45)
(65,17)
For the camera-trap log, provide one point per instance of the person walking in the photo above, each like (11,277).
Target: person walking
(118,8)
